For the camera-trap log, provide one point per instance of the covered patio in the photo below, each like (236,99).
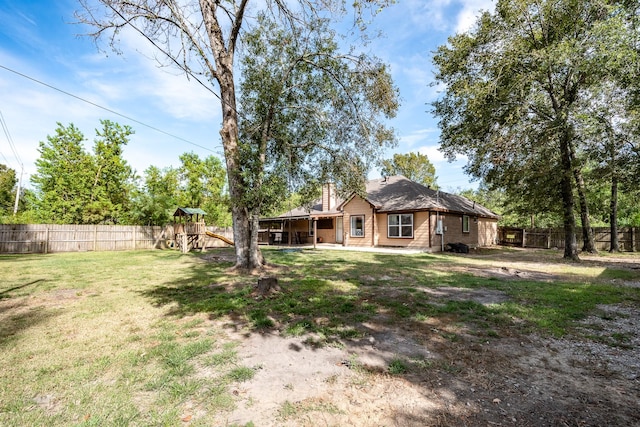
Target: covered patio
(301,230)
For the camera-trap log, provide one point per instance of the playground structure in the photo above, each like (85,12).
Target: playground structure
(190,230)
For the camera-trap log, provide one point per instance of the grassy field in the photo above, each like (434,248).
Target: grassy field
(136,338)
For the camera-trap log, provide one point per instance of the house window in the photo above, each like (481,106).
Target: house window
(325,224)
(465,223)
(357,226)
(400,225)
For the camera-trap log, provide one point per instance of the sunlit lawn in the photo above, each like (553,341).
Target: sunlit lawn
(137,338)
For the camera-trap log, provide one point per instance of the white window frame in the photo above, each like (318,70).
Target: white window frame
(465,224)
(353,230)
(399,225)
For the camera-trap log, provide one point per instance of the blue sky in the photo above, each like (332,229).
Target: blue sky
(37,40)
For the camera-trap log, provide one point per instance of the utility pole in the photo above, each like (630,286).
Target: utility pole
(15,206)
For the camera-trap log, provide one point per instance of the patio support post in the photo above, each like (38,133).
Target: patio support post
(315,233)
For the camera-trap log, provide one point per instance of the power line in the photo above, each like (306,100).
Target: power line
(5,159)
(104,108)
(5,128)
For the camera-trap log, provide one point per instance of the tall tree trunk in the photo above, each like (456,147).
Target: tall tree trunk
(242,221)
(223,73)
(588,244)
(570,244)
(255,255)
(613,215)
(587,233)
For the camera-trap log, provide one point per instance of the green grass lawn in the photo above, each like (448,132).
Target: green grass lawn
(136,338)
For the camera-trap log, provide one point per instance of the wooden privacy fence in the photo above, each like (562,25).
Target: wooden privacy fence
(628,237)
(48,238)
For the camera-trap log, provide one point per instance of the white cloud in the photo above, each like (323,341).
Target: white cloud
(470,12)
(137,78)
(433,153)
(445,16)
(417,136)
(428,15)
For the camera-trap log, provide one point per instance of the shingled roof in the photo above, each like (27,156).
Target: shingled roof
(400,194)
(397,193)
(314,210)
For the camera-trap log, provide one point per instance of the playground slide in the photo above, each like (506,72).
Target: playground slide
(217,236)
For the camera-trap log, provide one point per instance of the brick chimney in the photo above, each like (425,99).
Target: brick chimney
(328,197)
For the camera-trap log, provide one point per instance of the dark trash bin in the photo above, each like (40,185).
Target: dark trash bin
(460,248)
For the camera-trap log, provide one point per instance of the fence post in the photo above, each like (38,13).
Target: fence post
(46,240)
(548,238)
(95,237)
(134,237)
(633,241)
(524,237)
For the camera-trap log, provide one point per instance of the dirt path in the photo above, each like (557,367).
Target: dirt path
(528,381)
(415,377)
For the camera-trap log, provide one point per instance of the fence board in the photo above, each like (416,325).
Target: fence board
(48,238)
(628,238)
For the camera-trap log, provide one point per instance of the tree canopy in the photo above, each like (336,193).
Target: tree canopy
(308,112)
(74,186)
(415,166)
(515,84)
(8,182)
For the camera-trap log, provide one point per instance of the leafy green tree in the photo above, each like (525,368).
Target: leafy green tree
(203,185)
(414,166)
(157,200)
(73,186)
(200,38)
(8,182)
(513,85)
(513,209)
(112,176)
(610,128)
(308,111)
(64,177)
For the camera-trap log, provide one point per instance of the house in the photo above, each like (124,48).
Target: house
(394,212)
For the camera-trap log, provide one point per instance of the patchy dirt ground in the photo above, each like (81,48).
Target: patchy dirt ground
(510,380)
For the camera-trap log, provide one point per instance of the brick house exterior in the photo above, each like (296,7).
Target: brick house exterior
(395,212)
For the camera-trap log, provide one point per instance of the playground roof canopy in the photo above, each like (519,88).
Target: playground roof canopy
(189,212)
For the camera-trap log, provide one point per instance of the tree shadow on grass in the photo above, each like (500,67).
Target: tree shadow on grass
(5,293)
(17,316)
(371,305)
(375,306)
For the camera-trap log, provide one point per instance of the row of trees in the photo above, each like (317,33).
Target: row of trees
(543,99)
(74,186)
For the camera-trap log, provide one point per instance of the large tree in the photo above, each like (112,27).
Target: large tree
(514,82)
(73,186)
(414,166)
(64,177)
(610,128)
(8,182)
(112,176)
(157,199)
(201,39)
(203,185)
(308,111)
